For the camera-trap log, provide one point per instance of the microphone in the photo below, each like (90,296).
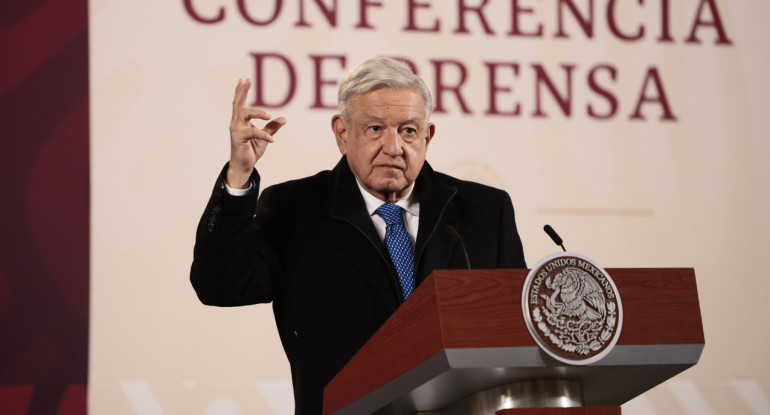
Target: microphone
(554,236)
(458,238)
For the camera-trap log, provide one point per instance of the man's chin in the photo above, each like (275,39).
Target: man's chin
(391,189)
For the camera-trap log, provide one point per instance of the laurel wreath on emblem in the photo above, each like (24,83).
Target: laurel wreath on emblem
(582,336)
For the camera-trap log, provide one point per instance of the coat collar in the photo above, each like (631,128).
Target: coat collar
(345,202)
(436,213)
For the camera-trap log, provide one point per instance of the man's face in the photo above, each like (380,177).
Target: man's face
(385,140)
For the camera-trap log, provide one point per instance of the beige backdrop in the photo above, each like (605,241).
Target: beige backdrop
(628,193)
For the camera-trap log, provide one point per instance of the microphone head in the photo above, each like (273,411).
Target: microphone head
(552,233)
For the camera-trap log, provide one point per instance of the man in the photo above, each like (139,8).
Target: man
(320,248)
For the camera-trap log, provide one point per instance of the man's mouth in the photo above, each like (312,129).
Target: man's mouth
(390,166)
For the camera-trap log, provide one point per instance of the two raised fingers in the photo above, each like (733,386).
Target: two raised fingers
(242,116)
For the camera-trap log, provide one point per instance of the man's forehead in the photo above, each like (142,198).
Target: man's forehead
(379,104)
(391,96)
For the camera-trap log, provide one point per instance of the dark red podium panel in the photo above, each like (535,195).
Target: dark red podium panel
(463,331)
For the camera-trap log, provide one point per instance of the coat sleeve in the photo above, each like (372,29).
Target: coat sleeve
(509,243)
(228,269)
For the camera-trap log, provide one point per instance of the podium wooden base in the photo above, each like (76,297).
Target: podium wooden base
(462,332)
(582,410)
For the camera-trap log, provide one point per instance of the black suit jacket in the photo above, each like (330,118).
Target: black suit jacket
(310,247)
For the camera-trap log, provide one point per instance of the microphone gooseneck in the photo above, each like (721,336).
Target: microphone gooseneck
(456,236)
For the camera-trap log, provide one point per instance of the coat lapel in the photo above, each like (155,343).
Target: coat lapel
(434,244)
(352,226)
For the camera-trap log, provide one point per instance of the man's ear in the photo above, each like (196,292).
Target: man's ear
(429,133)
(340,130)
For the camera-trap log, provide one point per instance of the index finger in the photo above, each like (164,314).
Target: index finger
(241,91)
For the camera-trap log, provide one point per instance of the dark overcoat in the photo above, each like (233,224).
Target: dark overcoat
(310,247)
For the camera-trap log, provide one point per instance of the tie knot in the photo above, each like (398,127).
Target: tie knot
(391,213)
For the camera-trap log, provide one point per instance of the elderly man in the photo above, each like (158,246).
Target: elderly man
(339,251)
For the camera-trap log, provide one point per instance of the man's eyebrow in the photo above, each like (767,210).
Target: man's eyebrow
(369,118)
(372,118)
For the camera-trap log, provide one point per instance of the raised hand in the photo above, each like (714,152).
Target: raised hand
(247,142)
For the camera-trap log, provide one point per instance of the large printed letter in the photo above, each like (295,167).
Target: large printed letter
(515,30)
(586,22)
(412,26)
(716,22)
(320,82)
(603,92)
(197,17)
(440,87)
(462,8)
(494,89)
(614,27)
(248,18)
(565,102)
(330,13)
(363,23)
(259,100)
(652,74)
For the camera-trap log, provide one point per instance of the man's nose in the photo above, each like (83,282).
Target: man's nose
(392,144)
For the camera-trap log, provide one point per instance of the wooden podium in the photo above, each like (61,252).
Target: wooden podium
(463,332)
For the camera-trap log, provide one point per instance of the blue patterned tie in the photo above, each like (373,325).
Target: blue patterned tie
(399,245)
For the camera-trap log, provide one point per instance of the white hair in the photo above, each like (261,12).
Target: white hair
(376,73)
